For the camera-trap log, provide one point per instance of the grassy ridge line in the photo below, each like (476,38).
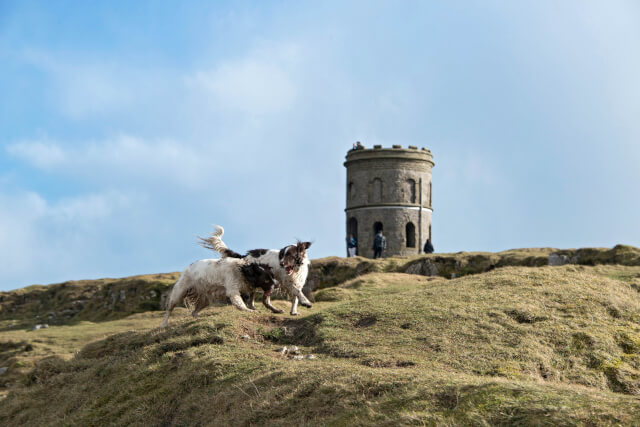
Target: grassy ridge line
(517,346)
(332,271)
(84,300)
(109,299)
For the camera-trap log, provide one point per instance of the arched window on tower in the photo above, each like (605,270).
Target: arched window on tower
(430,193)
(377,227)
(351,191)
(410,230)
(376,190)
(411,191)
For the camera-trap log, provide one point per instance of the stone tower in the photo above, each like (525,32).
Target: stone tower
(389,189)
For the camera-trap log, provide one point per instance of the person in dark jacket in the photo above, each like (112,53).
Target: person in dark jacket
(379,244)
(428,247)
(352,245)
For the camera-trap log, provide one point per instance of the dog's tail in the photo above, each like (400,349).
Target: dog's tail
(215,243)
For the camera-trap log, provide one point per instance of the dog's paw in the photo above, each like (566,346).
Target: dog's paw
(294,314)
(307,304)
(278,311)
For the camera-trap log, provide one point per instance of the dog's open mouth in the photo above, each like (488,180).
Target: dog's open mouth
(268,293)
(289,270)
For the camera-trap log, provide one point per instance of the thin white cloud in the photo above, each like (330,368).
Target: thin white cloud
(83,87)
(42,154)
(86,208)
(261,82)
(43,240)
(122,157)
(27,206)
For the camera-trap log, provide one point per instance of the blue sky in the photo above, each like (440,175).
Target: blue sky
(127,128)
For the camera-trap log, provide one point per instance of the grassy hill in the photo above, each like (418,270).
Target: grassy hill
(111,299)
(517,345)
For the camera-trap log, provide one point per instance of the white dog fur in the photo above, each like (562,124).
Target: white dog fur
(210,280)
(291,280)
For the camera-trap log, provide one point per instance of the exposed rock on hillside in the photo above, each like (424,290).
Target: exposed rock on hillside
(92,300)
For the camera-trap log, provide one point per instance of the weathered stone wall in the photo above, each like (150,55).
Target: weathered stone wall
(391,186)
(394,222)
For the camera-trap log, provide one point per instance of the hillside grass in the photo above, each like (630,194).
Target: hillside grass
(111,299)
(84,300)
(516,345)
(21,349)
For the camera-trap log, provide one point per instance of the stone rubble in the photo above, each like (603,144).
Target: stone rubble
(557,259)
(294,353)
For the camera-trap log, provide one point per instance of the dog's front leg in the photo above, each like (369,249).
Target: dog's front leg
(252,300)
(266,301)
(200,304)
(297,293)
(294,305)
(237,302)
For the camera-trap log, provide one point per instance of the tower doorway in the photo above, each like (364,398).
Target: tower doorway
(352,228)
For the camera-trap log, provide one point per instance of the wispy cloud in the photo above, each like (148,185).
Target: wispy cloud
(119,158)
(42,154)
(260,82)
(83,86)
(42,240)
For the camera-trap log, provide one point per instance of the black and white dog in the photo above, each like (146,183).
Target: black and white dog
(290,265)
(210,280)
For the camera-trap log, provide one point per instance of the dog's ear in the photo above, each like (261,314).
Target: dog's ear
(305,244)
(254,272)
(259,269)
(250,272)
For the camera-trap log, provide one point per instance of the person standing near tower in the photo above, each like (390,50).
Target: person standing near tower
(352,244)
(379,244)
(428,247)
